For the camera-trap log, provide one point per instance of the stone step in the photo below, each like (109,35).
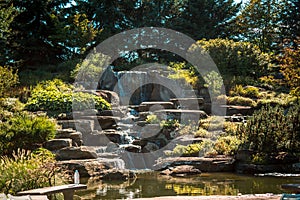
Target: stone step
(182,115)
(155,105)
(188,103)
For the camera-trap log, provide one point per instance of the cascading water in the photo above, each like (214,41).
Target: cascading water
(128,82)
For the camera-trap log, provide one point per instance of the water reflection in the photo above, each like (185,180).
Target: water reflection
(152,184)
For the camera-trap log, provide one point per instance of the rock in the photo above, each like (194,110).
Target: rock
(188,103)
(132,148)
(150,147)
(182,115)
(114,175)
(155,105)
(103,122)
(112,147)
(69,133)
(217,164)
(82,152)
(86,168)
(81,125)
(182,170)
(110,96)
(57,144)
(114,112)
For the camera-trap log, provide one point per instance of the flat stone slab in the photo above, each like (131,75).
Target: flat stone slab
(187,114)
(188,103)
(155,105)
(234,109)
(217,164)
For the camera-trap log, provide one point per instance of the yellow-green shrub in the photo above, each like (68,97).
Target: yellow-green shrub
(25,170)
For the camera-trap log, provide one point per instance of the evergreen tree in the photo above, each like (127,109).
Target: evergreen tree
(7,15)
(260,22)
(206,18)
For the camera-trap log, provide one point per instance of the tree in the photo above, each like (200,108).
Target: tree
(7,15)
(49,32)
(260,22)
(290,68)
(206,18)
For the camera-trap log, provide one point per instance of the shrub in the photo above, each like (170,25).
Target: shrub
(249,91)
(170,124)
(241,101)
(202,133)
(89,70)
(184,72)
(227,145)
(25,170)
(57,97)
(192,149)
(214,82)
(26,132)
(152,119)
(9,106)
(235,59)
(212,123)
(272,129)
(7,79)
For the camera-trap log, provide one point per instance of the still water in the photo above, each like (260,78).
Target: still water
(151,184)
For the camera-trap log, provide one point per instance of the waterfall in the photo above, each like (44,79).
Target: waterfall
(130,82)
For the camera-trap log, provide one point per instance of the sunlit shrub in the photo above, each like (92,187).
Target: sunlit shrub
(227,145)
(249,91)
(202,133)
(152,119)
(8,78)
(56,97)
(272,129)
(26,132)
(241,101)
(25,170)
(170,124)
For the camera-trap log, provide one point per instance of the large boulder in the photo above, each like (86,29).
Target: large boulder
(69,153)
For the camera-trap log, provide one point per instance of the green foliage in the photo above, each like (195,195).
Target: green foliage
(170,124)
(7,15)
(289,67)
(249,91)
(89,70)
(152,119)
(241,101)
(272,129)
(202,133)
(235,58)
(7,80)
(214,82)
(227,145)
(25,170)
(192,149)
(9,106)
(261,22)
(184,72)
(57,97)
(205,19)
(26,132)
(212,123)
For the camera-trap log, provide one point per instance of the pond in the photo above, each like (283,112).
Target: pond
(152,184)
